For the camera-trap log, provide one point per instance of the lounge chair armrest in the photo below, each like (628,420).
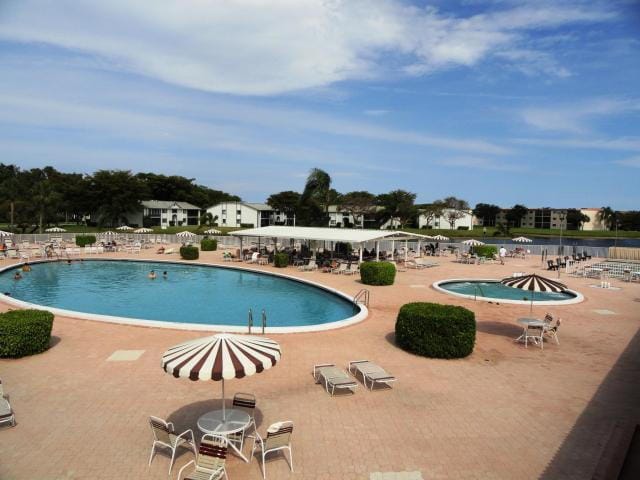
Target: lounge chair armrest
(354,362)
(172,428)
(185,466)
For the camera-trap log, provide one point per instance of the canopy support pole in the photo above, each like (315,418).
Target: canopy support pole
(406,248)
(393,249)
(377,251)
(360,254)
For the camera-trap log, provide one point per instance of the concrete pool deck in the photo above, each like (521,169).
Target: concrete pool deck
(504,412)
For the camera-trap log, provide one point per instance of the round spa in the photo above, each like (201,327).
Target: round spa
(491,290)
(192,296)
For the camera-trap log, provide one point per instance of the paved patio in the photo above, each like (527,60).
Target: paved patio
(505,412)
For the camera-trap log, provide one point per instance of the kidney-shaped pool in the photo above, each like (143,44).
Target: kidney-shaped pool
(189,295)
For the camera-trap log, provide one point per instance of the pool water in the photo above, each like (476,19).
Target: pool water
(189,294)
(497,290)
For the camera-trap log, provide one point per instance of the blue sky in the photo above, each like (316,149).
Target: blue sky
(498,101)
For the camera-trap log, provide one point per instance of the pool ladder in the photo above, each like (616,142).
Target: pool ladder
(250,320)
(362,297)
(475,291)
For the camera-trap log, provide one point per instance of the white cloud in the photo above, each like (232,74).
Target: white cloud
(629,162)
(574,118)
(614,144)
(251,47)
(480,163)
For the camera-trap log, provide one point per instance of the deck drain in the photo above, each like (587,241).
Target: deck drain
(125,355)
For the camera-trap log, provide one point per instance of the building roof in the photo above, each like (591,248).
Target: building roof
(328,234)
(168,204)
(258,206)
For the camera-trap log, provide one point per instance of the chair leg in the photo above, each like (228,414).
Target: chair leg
(290,458)
(173,456)
(264,467)
(153,450)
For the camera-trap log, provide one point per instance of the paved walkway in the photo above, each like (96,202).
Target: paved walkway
(505,412)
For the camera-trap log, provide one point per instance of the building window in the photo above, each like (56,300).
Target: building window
(238,212)
(224,221)
(224,212)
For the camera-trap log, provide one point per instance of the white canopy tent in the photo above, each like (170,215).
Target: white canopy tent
(354,236)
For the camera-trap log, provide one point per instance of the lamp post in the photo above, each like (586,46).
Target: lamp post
(562,217)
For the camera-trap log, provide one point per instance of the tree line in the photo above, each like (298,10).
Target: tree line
(32,199)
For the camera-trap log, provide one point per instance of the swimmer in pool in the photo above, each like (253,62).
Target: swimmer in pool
(152,275)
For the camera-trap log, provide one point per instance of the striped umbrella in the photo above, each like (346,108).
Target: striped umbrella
(124,228)
(534,283)
(473,242)
(212,231)
(143,230)
(55,230)
(521,240)
(5,234)
(221,357)
(185,234)
(441,238)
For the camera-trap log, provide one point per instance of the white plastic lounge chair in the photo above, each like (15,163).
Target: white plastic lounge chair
(6,413)
(164,436)
(278,438)
(352,269)
(333,377)
(247,403)
(2,394)
(169,251)
(341,268)
(309,266)
(371,372)
(210,460)
(425,264)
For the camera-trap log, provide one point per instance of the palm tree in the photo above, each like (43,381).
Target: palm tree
(502,230)
(316,197)
(607,216)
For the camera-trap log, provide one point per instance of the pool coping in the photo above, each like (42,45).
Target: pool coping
(436,285)
(358,317)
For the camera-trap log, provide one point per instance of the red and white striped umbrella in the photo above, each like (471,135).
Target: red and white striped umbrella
(221,357)
(534,283)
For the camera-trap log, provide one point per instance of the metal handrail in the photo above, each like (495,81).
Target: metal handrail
(250,321)
(363,294)
(477,287)
(264,320)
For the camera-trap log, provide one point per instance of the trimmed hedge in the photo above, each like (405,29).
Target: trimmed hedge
(209,244)
(189,253)
(280,260)
(83,240)
(24,332)
(436,331)
(485,250)
(377,273)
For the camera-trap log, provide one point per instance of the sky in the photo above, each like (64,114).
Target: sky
(503,102)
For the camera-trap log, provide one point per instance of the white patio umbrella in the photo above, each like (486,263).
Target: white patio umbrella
(124,228)
(521,240)
(143,230)
(440,238)
(185,234)
(221,357)
(5,234)
(212,231)
(534,283)
(473,242)
(55,230)
(108,233)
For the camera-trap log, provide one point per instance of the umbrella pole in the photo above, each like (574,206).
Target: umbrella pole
(224,416)
(530,313)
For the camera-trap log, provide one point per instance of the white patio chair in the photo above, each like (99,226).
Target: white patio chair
(535,334)
(278,438)
(210,460)
(340,268)
(552,331)
(164,436)
(247,403)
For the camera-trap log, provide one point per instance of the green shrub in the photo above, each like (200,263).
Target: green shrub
(209,244)
(436,331)
(377,273)
(280,260)
(189,253)
(485,250)
(24,332)
(82,240)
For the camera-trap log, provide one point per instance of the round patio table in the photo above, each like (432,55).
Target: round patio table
(528,322)
(233,421)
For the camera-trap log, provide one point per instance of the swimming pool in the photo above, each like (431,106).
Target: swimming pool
(193,296)
(491,290)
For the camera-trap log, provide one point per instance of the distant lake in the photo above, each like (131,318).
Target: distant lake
(568,241)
